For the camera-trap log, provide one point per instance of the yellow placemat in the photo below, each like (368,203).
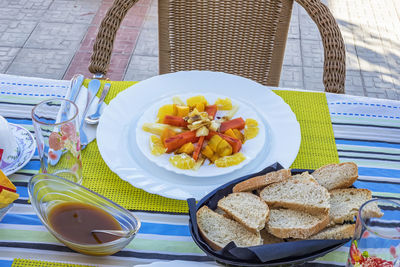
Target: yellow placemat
(35,263)
(318,145)
(317,148)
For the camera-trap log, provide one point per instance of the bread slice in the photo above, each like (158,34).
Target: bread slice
(223,213)
(218,230)
(246,208)
(305,177)
(335,176)
(297,195)
(285,223)
(342,231)
(262,180)
(345,204)
(268,238)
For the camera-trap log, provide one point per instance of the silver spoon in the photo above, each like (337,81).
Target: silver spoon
(120,233)
(95,117)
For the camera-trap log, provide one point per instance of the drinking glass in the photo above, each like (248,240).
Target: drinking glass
(376,241)
(56,124)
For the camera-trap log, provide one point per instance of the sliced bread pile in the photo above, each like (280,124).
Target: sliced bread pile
(277,206)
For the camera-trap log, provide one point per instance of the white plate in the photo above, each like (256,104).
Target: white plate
(117,129)
(26,149)
(250,149)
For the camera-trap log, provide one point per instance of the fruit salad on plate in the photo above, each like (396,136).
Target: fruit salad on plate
(197,132)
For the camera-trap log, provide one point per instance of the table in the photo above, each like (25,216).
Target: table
(366,131)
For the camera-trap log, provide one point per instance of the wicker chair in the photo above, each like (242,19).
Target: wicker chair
(242,37)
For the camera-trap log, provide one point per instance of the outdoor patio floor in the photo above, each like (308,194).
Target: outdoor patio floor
(54,39)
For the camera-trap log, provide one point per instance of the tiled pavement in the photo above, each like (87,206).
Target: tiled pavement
(54,39)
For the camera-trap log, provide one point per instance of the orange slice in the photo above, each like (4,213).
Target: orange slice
(182,161)
(156,146)
(250,132)
(251,123)
(228,161)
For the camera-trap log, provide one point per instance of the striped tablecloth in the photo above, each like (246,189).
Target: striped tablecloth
(367,131)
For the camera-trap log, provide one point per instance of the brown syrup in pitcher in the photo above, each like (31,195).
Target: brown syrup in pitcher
(74,221)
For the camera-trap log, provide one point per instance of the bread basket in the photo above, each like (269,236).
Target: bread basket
(293,252)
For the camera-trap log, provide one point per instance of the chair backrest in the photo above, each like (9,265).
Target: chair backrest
(241,37)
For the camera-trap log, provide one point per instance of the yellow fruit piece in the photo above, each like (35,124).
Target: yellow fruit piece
(224,148)
(238,135)
(182,161)
(7,197)
(187,148)
(251,123)
(182,111)
(228,161)
(214,158)
(193,101)
(207,152)
(214,141)
(156,146)
(223,104)
(230,133)
(250,132)
(165,110)
(200,107)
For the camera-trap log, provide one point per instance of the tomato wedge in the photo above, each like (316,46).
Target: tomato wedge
(237,123)
(174,142)
(174,121)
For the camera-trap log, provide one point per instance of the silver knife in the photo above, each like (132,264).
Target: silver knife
(93,88)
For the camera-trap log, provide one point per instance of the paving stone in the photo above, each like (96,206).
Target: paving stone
(7,55)
(14,33)
(291,77)
(294,27)
(26,4)
(354,82)
(79,64)
(72,11)
(313,78)
(352,62)
(393,94)
(356,93)
(21,14)
(312,52)
(292,52)
(151,22)
(56,36)
(377,95)
(135,16)
(141,68)
(308,29)
(147,44)
(153,10)
(45,63)
(371,55)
